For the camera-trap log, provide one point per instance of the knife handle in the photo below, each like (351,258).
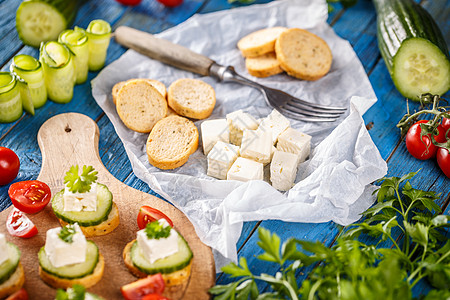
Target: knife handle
(163,50)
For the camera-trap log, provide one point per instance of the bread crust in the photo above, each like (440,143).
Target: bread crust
(86,281)
(103,228)
(14,282)
(263,66)
(158,85)
(303,54)
(259,42)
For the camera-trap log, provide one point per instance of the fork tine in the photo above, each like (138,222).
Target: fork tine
(315,105)
(304,118)
(309,112)
(310,108)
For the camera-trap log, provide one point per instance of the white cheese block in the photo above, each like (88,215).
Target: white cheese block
(245,169)
(275,123)
(4,255)
(80,201)
(220,159)
(61,253)
(214,131)
(257,145)
(294,141)
(283,170)
(153,249)
(238,121)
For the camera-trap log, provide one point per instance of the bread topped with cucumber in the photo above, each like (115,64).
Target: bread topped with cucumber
(86,202)
(12,276)
(68,259)
(159,248)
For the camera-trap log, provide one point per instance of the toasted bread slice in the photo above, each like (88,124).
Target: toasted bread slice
(191,98)
(103,228)
(303,54)
(156,84)
(171,142)
(259,42)
(263,66)
(140,105)
(86,281)
(14,282)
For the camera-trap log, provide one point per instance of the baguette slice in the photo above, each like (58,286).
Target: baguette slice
(259,42)
(140,105)
(191,98)
(14,282)
(171,142)
(155,83)
(103,228)
(86,281)
(303,54)
(263,66)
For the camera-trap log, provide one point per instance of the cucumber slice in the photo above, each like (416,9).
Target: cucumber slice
(166,265)
(77,41)
(85,218)
(420,67)
(8,267)
(75,270)
(25,95)
(42,20)
(99,33)
(10,101)
(30,69)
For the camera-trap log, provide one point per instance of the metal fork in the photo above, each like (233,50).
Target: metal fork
(183,58)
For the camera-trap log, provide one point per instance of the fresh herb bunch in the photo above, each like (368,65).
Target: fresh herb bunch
(66,233)
(156,230)
(80,183)
(352,269)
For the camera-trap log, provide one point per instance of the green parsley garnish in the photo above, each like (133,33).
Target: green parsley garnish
(156,231)
(66,234)
(80,183)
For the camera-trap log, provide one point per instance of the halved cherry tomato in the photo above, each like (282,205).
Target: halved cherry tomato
(9,165)
(443,160)
(19,295)
(30,196)
(20,225)
(153,284)
(422,148)
(149,214)
(154,297)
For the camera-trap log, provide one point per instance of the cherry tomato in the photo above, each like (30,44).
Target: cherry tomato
(443,160)
(9,165)
(19,295)
(153,284)
(446,125)
(422,149)
(30,196)
(154,297)
(170,3)
(20,225)
(148,214)
(129,2)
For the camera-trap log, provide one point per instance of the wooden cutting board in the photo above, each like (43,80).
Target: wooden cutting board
(70,139)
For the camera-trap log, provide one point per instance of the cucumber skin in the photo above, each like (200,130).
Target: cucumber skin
(81,223)
(12,269)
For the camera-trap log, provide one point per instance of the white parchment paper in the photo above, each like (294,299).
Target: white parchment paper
(334,184)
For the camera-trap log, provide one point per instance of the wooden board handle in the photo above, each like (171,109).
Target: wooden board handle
(163,50)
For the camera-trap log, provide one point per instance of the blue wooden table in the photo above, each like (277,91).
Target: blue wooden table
(356,24)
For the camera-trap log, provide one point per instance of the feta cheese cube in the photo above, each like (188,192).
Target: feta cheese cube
(61,253)
(153,249)
(276,123)
(283,170)
(80,201)
(245,169)
(213,131)
(220,159)
(257,145)
(4,255)
(294,141)
(238,121)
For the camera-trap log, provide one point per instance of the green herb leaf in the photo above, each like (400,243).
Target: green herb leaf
(418,232)
(156,230)
(66,233)
(269,243)
(235,271)
(80,183)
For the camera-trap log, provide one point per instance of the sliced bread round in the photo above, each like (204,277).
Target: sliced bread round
(171,142)
(13,283)
(156,84)
(263,66)
(303,54)
(259,42)
(140,105)
(191,98)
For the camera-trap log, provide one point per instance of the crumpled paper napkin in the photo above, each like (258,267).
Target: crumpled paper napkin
(334,184)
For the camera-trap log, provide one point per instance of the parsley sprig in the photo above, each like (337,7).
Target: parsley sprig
(80,183)
(156,230)
(66,233)
(358,266)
